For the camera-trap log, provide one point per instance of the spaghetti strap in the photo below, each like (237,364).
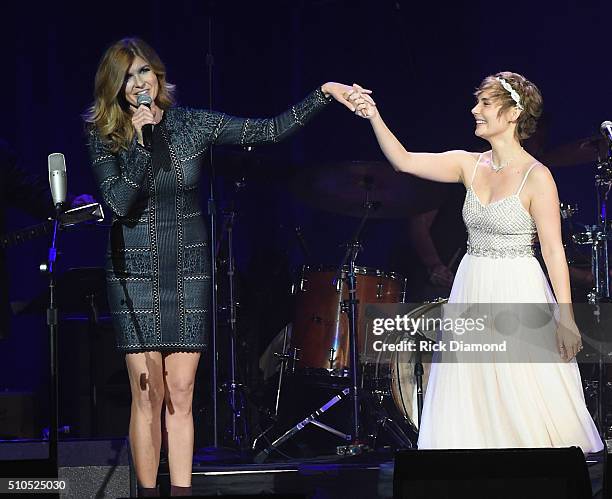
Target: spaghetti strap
(525,178)
(475,168)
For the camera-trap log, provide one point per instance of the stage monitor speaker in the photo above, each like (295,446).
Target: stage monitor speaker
(487,473)
(91,468)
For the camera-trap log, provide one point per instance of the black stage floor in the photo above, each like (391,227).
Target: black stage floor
(101,468)
(367,476)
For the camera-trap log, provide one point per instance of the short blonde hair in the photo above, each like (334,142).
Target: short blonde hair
(109,114)
(531,100)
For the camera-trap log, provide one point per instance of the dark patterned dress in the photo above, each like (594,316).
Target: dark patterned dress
(158,259)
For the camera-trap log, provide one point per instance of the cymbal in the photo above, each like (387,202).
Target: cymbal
(344,188)
(578,152)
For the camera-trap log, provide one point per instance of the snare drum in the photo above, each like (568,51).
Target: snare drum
(320,329)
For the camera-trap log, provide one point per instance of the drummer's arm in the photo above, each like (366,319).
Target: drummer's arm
(419,227)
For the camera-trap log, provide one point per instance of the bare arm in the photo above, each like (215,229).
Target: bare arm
(544,208)
(441,167)
(450,166)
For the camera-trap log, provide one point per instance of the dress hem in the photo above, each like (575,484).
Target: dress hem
(163,348)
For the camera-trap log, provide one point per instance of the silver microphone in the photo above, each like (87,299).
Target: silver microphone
(57,177)
(144,99)
(147,130)
(606,130)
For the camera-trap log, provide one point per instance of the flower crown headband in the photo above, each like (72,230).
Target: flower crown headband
(513,93)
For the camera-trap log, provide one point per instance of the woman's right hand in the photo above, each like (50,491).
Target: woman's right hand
(141,117)
(365,107)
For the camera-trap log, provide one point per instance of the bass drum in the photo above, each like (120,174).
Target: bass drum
(394,370)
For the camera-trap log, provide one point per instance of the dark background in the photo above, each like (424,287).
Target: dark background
(423,61)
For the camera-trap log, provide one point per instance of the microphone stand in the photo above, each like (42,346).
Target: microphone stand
(52,324)
(212,214)
(73,217)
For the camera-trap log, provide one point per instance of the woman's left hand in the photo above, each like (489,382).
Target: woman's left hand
(341,93)
(569,340)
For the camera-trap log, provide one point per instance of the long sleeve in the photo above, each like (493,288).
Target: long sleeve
(119,176)
(249,131)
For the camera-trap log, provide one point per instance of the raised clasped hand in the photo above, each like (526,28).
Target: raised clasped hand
(342,93)
(363,104)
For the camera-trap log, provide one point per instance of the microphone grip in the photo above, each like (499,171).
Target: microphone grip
(147,136)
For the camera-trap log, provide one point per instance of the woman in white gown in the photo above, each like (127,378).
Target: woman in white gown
(510,198)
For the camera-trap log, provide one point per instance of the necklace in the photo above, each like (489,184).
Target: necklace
(500,167)
(497,168)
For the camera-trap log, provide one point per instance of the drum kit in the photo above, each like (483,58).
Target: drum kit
(385,393)
(327,337)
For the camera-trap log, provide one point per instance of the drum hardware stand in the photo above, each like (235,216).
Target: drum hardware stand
(284,357)
(597,236)
(418,375)
(385,422)
(295,357)
(350,307)
(232,387)
(332,356)
(312,419)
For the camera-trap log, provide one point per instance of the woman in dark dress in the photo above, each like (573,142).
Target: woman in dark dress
(158,264)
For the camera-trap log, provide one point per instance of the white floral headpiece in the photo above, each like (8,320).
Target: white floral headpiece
(513,93)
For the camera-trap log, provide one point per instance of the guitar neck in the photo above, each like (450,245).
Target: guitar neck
(22,235)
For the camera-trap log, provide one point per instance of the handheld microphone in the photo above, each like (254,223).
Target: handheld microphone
(606,130)
(147,130)
(57,177)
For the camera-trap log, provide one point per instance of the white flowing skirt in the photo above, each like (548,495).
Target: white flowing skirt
(504,405)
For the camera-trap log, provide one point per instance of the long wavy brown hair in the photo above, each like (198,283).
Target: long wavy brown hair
(109,113)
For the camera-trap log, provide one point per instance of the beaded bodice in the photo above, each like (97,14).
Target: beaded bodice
(501,229)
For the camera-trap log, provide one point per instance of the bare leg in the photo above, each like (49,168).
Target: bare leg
(179,376)
(147,386)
